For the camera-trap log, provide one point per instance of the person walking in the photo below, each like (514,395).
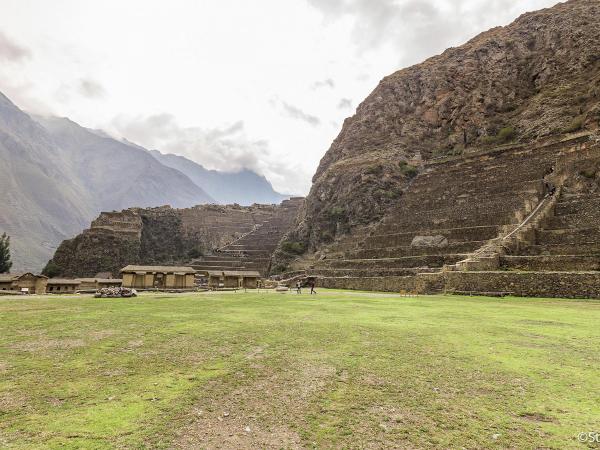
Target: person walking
(298,287)
(312,288)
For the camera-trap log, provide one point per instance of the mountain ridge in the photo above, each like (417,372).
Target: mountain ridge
(223,186)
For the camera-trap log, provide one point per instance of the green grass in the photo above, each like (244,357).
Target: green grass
(266,370)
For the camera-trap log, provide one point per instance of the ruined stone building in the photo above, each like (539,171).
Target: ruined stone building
(23,283)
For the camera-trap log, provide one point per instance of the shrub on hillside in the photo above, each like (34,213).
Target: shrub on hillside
(504,136)
(575,125)
(295,248)
(51,270)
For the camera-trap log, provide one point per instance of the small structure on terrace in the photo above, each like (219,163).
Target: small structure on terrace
(158,277)
(232,279)
(62,286)
(23,283)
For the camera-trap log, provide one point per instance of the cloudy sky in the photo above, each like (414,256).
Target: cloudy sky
(262,84)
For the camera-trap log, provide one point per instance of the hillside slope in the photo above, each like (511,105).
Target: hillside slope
(42,203)
(535,78)
(118,175)
(244,187)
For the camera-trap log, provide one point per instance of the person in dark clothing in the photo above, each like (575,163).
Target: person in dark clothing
(312,288)
(549,186)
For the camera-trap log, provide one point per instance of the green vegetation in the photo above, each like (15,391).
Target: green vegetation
(374,170)
(504,136)
(337,213)
(51,270)
(589,173)
(575,125)
(5,262)
(408,170)
(294,248)
(194,253)
(256,370)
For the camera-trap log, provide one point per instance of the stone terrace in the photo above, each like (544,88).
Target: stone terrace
(456,206)
(253,250)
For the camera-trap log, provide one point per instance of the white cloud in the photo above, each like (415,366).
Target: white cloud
(11,51)
(90,88)
(227,148)
(296,113)
(327,83)
(345,103)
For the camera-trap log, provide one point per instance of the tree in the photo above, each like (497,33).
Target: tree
(51,270)
(5,262)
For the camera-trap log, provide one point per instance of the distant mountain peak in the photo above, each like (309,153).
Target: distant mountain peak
(244,187)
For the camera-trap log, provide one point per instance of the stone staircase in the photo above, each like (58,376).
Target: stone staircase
(253,249)
(466,222)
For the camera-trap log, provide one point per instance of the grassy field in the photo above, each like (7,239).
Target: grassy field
(266,370)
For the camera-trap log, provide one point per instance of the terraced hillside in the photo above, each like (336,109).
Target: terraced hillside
(534,80)
(166,235)
(448,230)
(253,249)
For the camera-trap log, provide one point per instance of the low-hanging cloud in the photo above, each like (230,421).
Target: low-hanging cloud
(11,51)
(296,113)
(226,149)
(90,88)
(327,83)
(345,103)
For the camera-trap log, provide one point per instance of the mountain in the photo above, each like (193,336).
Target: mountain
(533,79)
(56,176)
(245,187)
(42,202)
(118,175)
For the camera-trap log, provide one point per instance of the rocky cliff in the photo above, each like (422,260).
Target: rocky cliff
(535,78)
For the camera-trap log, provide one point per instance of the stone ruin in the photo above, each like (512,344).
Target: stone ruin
(216,236)
(253,249)
(482,224)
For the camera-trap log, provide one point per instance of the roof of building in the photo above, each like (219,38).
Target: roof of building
(100,280)
(63,281)
(214,273)
(242,273)
(4,277)
(164,269)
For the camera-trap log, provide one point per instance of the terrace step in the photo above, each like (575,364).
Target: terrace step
(581,248)
(551,263)
(393,263)
(576,204)
(381,284)
(569,236)
(454,235)
(370,272)
(456,220)
(583,219)
(398,252)
(527,284)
